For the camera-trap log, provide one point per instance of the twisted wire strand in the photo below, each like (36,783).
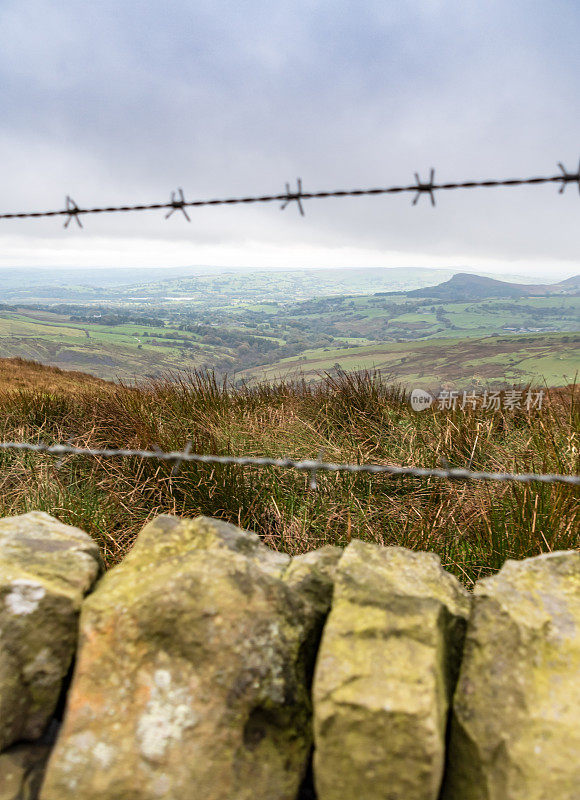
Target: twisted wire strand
(177,457)
(420,187)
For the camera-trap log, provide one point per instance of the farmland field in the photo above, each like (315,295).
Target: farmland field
(531,358)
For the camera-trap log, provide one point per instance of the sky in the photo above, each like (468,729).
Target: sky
(124,102)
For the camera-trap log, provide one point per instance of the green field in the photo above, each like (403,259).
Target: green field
(109,352)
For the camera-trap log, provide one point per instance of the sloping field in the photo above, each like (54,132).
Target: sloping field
(108,352)
(536,358)
(135,352)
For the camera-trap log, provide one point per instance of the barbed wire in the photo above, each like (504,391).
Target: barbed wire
(179,203)
(185,455)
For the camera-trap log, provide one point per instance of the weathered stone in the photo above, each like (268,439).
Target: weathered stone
(515,732)
(192,674)
(313,574)
(385,674)
(45,570)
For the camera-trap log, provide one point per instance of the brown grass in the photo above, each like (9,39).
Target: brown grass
(357,418)
(18,373)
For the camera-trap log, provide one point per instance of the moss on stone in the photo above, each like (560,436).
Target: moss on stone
(45,570)
(193,671)
(515,731)
(384,675)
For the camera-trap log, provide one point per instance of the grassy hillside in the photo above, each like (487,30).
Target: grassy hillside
(356,418)
(110,352)
(17,374)
(551,358)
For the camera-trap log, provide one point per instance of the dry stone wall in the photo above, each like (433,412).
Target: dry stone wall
(208,666)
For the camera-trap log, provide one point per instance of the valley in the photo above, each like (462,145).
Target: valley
(236,324)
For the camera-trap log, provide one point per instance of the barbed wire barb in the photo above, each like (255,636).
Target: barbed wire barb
(313,482)
(290,196)
(72,211)
(425,187)
(178,205)
(179,461)
(60,461)
(569,177)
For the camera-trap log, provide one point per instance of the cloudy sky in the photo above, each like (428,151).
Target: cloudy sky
(123,102)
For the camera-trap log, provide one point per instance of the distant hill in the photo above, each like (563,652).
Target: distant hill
(201,283)
(465,287)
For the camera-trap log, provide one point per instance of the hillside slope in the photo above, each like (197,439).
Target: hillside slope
(18,373)
(544,358)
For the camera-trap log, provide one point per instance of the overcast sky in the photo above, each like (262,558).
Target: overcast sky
(122,102)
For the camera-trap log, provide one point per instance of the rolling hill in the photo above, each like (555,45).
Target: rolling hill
(499,361)
(464,287)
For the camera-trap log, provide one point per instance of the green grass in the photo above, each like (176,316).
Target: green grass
(356,418)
